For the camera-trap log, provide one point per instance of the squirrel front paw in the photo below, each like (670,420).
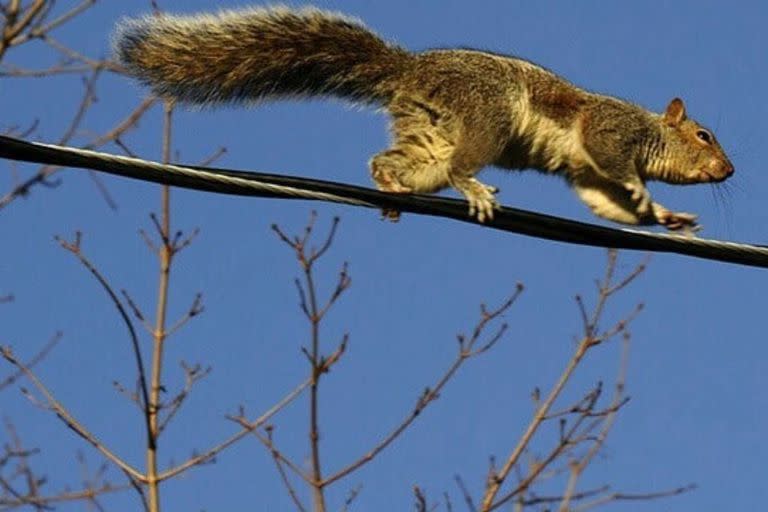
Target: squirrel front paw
(675,221)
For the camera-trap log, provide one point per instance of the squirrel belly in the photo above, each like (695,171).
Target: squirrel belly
(453,112)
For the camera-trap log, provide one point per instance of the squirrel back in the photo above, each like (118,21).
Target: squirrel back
(259,53)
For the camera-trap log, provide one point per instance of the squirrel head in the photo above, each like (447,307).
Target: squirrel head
(687,151)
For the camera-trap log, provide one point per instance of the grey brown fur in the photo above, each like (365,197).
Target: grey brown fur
(453,111)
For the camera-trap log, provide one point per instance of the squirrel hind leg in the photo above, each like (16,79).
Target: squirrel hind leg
(425,158)
(420,157)
(397,171)
(414,170)
(383,172)
(385,175)
(411,167)
(407,168)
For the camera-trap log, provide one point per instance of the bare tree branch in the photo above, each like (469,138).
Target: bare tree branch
(64,415)
(42,354)
(592,337)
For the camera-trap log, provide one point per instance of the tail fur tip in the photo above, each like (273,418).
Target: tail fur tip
(129,34)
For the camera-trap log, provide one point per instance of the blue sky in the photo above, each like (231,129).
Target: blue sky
(697,370)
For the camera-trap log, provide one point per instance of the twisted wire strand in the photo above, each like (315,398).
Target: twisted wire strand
(235,182)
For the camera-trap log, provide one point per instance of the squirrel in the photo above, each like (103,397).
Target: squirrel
(453,111)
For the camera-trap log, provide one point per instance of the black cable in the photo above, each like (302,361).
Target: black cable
(227,181)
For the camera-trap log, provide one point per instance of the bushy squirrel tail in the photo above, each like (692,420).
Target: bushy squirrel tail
(259,54)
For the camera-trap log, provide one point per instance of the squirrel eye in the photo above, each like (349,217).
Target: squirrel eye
(704,136)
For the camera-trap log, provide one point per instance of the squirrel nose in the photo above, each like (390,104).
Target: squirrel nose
(721,169)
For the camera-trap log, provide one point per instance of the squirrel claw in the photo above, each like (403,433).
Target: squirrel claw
(676,221)
(481,199)
(482,208)
(390,215)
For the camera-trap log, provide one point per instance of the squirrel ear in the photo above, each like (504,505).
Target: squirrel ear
(675,113)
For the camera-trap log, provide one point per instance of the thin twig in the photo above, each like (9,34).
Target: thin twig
(45,172)
(618,496)
(466,351)
(192,374)
(284,476)
(247,428)
(75,248)
(42,354)
(465,494)
(54,405)
(62,19)
(578,467)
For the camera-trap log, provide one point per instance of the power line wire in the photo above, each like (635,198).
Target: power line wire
(233,182)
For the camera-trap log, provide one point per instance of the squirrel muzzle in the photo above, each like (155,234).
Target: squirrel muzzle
(717,170)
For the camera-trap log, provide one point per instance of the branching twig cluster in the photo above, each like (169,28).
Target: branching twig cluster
(582,427)
(37,20)
(21,486)
(162,410)
(320,363)
(149,396)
